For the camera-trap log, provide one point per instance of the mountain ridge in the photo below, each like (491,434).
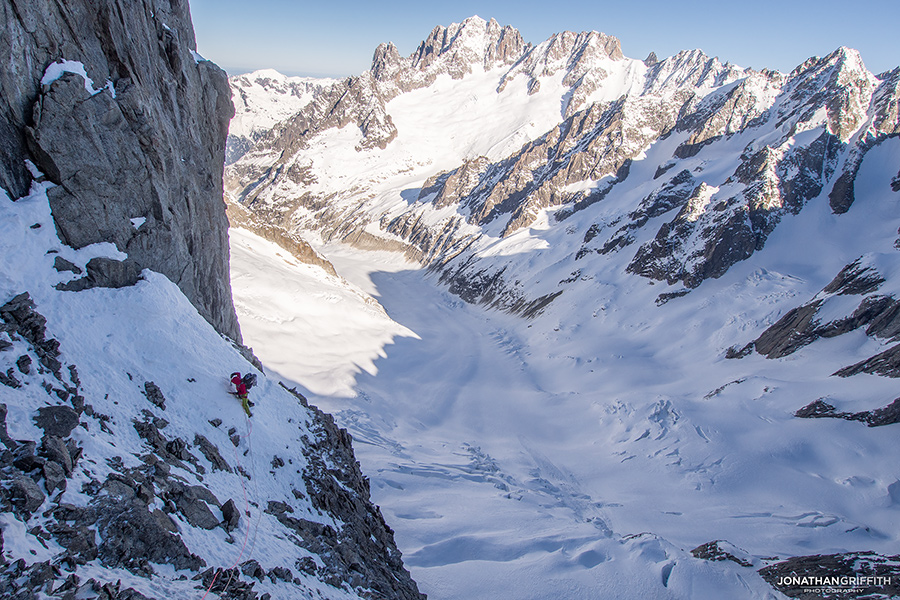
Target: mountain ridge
(689,94)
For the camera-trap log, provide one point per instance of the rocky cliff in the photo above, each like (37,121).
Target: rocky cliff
(112,103)
(127,471)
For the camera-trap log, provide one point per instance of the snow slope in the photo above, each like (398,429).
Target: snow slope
(118,340)
(585,453)
(266,97)
(305,306)
(262,99)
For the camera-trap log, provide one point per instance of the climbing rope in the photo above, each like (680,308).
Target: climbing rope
(250,525)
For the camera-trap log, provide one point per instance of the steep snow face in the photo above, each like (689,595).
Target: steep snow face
(125,457)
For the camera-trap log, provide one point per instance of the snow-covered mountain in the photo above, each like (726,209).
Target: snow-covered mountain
(478,143)
(512,135)
(704,255)
(262,99)
(127,470)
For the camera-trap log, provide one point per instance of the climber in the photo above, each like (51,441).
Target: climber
(240,390)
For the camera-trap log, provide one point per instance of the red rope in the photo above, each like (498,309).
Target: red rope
(246,512)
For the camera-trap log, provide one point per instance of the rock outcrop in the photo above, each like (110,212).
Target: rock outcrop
(888,415)
(111,102)
(238,216)
(879,313)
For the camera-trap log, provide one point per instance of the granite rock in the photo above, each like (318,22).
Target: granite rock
(145,139)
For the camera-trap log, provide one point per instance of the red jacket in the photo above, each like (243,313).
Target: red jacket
(239,386)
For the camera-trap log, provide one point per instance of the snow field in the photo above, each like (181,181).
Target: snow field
(310,308)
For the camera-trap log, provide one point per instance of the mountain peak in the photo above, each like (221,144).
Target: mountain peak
(843,57)
(468,43)
(385,61)
(847,55)
(476,21)
(266,74)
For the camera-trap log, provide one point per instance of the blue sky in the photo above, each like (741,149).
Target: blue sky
(338,38)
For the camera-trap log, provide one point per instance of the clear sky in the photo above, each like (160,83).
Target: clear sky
(328,38)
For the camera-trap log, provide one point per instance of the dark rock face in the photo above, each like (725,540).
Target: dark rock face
(880,314)
(25,494)
(491,289)
(105,272)
(363,552)
(4,434)
(20,317)
(450,188)
(58,421)
(886,363)
(831,576)
(132,536)
(889,415)
(674,194)
(728,238)
(154,394)
(855,280)
(231,516)
(149,145)
(54,449)
(188,501)
(792,331)
(211,452)
(714,551)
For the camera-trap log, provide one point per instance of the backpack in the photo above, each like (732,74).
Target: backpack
(249,380)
